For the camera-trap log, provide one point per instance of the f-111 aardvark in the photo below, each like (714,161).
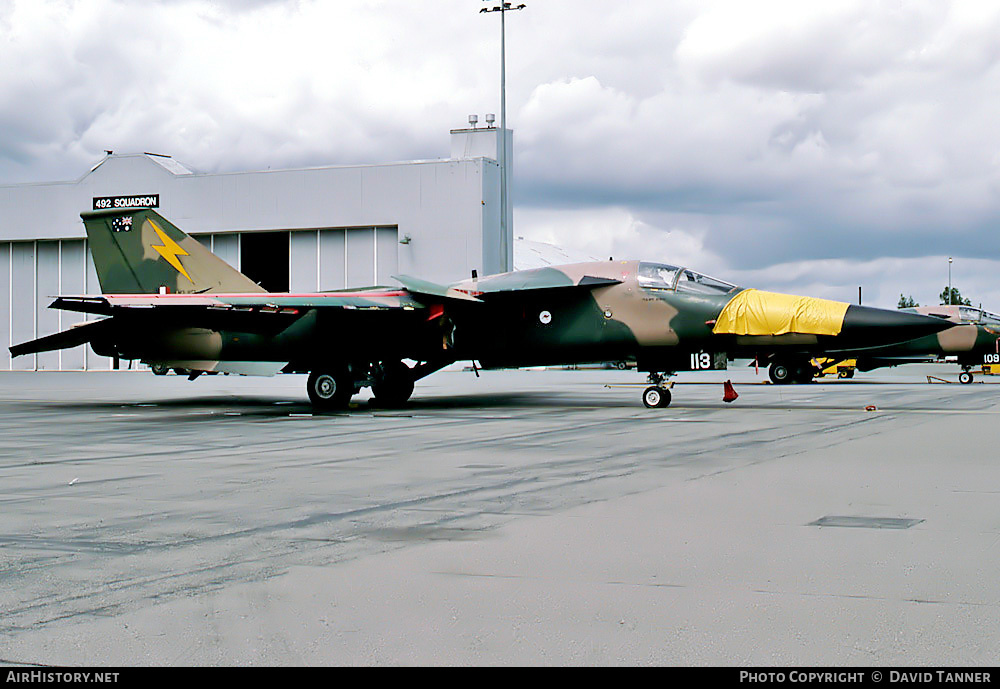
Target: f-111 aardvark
(972,338)
(170,302)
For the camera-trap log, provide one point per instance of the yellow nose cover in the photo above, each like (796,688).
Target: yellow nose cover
(752,312)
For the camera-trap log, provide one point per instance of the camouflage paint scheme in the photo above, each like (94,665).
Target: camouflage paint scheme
(169,301)
(600,312)
(973,338)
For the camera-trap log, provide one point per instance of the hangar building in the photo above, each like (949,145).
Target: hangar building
(309,229)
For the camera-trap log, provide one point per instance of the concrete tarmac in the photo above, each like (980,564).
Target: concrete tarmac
(524,517)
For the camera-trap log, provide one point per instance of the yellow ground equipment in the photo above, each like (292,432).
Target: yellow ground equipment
(841,369)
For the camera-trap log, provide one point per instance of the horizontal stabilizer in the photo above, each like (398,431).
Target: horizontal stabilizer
(81,334)
(96,305)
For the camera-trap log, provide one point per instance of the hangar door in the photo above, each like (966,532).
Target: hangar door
(33,272)
(311,260)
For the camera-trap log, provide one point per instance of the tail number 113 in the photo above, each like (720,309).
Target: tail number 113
(701,361)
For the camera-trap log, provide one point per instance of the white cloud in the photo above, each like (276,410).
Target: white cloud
(845,131)
(882,280)
(741,137)
(614,232)
(279,84)
(683,240)
(809,47)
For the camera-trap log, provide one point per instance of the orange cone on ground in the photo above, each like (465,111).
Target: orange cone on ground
(729,393)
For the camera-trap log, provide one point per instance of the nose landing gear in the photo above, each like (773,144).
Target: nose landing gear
(657,395)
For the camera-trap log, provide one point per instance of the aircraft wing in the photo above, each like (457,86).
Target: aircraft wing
(267,302)
(513,283)
(260,313)
(507,285)
(263,314)
(434,290)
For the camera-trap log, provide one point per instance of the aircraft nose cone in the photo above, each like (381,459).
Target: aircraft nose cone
(870,326)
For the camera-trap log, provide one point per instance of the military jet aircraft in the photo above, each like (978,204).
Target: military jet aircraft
(168,301)
(972,339)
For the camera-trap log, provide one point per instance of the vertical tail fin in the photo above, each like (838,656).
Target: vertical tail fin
(138,251)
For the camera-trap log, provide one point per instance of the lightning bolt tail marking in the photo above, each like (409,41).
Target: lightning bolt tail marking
(170,250)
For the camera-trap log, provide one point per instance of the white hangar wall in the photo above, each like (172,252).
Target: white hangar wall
(311,229)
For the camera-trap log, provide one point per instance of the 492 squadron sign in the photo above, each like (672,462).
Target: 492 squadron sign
(147,201)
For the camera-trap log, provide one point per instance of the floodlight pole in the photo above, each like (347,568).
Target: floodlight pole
(949,281)
(503,8)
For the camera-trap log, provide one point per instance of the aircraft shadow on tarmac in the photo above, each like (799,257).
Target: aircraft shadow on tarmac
(216,407)
(277,407)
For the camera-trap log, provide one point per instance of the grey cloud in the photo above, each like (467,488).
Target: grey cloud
(805,47)
(774,132)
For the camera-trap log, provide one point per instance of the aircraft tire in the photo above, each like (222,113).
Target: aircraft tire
(965,377)
(780,373)
(804,373)
(329,389)
(394,387)
(158,369)
(656,397)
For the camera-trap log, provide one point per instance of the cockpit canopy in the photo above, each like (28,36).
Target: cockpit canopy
(663,276)
(973,315)
(962,314)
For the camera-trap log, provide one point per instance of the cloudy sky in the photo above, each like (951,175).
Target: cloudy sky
(797,146)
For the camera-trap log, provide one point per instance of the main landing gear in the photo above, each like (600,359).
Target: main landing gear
(392,384)
(658,395)
(786,371)
(331,388)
